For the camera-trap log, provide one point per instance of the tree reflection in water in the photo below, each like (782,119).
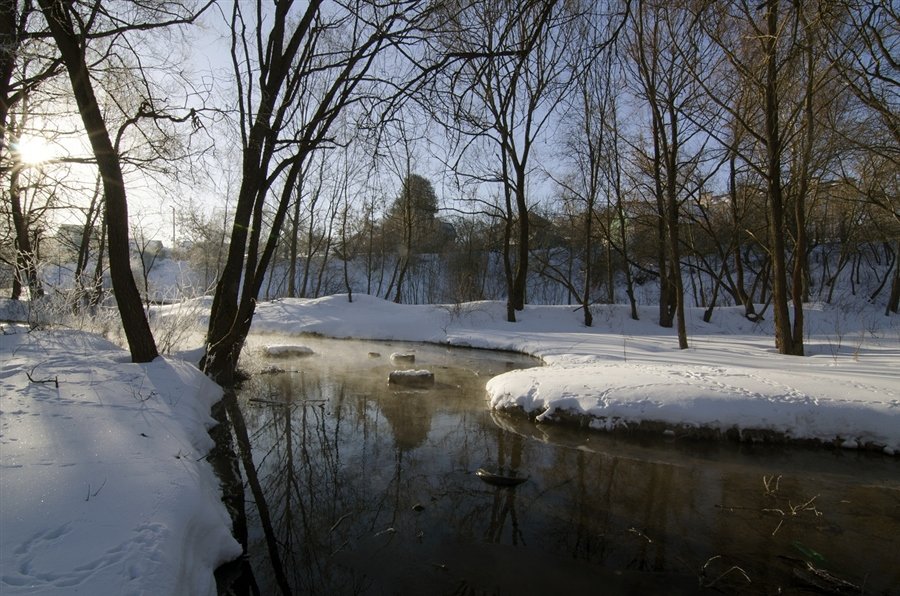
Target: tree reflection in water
(371,491)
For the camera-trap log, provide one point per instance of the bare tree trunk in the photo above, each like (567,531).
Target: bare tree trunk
(507,259)
(344,250)
(800,274)
(507,240)
(9,47)
(672,219)
(327,252)
(294,233)
(84,248)
(785,342)
(16,290)
(26,258)
(520,279)
(137,330)
(406,249)
(312,245)
(620,214)
(95,293)
(588,250)
(665,291)
(746,299)
(893,303)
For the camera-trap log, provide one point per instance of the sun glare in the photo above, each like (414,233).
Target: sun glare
(33,150)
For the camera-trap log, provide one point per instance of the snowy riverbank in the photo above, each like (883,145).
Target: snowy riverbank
(105,489)
(622,373)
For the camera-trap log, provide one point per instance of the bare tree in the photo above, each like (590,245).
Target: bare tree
(73,27)
(664,49)
(505,101)
(862,38)
(147,252)
(769,50)
(23,68)
(587,146)
(70,43)
(614,174)
(297,69)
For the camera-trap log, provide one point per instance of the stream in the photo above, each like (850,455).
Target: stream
(371,489)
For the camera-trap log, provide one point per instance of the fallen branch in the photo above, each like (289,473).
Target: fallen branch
(54,380)
(96,492)
(721,575)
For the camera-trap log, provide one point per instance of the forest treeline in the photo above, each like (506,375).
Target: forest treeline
(727,152)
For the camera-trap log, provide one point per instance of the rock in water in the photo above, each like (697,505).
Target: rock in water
(287,351)
(419,379)
(403,358)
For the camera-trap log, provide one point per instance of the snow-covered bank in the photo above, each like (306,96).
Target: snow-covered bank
(622,373)
(105,489)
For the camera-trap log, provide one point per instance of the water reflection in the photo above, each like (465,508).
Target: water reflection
(371,490)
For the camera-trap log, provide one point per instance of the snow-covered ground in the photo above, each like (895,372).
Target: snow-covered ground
(105,489)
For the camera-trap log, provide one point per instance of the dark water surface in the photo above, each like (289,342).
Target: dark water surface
(371,490)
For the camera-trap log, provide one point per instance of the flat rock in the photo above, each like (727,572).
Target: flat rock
(412,378)
(287,351)
(403,358)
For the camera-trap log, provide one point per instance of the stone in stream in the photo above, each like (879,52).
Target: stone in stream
(419,379)
(403,358)
(287,351)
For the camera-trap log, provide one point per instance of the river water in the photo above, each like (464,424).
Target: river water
(371,489)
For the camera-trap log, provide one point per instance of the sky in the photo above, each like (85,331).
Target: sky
(202,56)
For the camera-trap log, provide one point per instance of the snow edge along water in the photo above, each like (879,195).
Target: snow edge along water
(628,376)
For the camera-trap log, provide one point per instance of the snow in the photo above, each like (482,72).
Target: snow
(105,489)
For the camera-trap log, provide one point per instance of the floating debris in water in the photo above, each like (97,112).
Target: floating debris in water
(498,479)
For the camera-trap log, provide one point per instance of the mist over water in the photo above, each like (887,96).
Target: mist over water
(371,490)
